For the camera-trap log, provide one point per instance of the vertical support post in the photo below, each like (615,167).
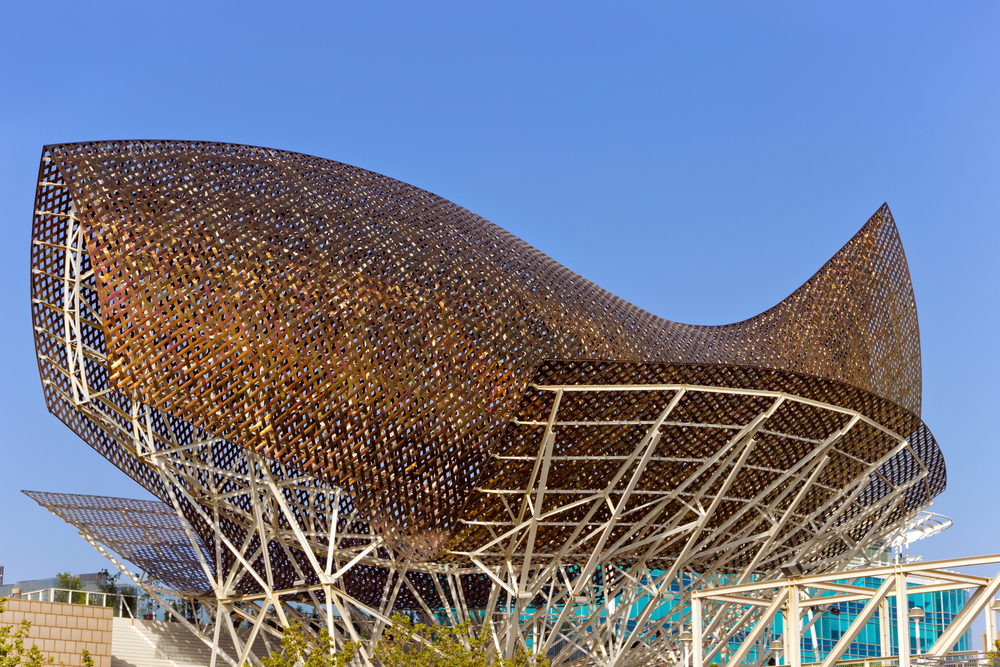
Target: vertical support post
(885,636)
(697,648)
(991,626)
(902,620)
(220,618)
(812,635)
(783,660)
(794,629)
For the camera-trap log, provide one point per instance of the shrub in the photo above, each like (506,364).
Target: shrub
(402,645)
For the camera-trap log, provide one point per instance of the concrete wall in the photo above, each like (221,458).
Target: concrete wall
(64,630)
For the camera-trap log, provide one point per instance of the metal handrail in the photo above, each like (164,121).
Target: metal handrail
(72,595)
(960,659)
(957,659)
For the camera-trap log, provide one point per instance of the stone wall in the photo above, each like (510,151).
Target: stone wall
(64,630)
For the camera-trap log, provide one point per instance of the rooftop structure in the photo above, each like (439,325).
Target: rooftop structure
(357,395)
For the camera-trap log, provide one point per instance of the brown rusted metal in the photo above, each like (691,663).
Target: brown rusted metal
(599,421)
(379,337)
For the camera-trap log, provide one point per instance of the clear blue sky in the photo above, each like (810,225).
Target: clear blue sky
(699,159)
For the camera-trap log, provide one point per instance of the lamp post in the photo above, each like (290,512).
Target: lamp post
(917,614)
(777,647)
(685,639)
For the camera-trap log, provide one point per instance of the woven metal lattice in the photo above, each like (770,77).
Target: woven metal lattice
(597,426)
(366,331)
(145,532)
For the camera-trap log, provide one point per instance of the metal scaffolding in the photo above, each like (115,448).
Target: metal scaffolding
(794,598)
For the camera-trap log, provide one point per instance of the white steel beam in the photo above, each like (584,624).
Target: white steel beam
(979,601)
(763,623)
(848,637)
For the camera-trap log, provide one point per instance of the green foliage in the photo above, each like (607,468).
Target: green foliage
(14,654)
(12,650)
(405,645)
(110,585)
(147,605)
(299,649)
(994,656)
(402,645)
(114,592)
(179,607)
(70,582)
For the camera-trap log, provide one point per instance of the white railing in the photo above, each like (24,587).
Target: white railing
(960,659)
(90,598)
(890,661)
(135,606)
(955,659)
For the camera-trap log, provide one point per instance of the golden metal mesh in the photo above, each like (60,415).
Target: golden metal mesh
(596,428)
(370,332)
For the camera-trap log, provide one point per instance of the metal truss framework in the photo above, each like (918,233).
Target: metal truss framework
(598,502)
(650,546)
(796,598)
(616,590)
(368,332)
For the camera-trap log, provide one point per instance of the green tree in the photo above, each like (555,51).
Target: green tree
(408,645)
(108,584)
(299,649)
(402,645)
(147,605)
(118,597)
(178,606)
(70,582)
